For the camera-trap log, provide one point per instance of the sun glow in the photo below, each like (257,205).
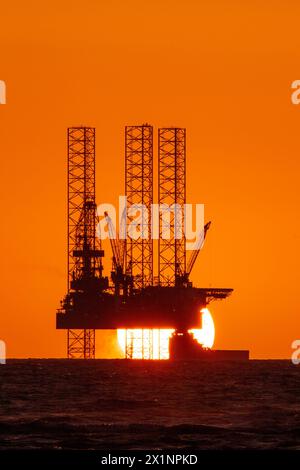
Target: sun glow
(205,335)
(154,343)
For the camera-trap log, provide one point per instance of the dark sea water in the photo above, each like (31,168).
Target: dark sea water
(104,404)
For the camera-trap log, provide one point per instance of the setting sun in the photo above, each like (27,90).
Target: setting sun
(154,343)
(205,335)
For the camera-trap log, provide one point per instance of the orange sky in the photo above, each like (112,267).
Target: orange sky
(221,69)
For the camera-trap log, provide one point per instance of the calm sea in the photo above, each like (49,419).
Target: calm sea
(115,404)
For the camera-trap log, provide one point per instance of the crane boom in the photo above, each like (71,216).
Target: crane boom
(117,250)
(195,252)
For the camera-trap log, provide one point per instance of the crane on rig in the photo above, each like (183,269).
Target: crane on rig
(194,255)
(119,275)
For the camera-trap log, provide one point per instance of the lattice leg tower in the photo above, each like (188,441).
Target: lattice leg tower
(172,198)
(139,192)
(81,227)
(81,344)
(139,344)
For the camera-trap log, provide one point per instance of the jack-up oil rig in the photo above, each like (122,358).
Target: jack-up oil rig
(133,298)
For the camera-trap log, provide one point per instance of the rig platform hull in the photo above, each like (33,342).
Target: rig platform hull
(183,346)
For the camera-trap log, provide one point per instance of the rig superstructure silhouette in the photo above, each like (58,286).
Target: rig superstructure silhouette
(133,297)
